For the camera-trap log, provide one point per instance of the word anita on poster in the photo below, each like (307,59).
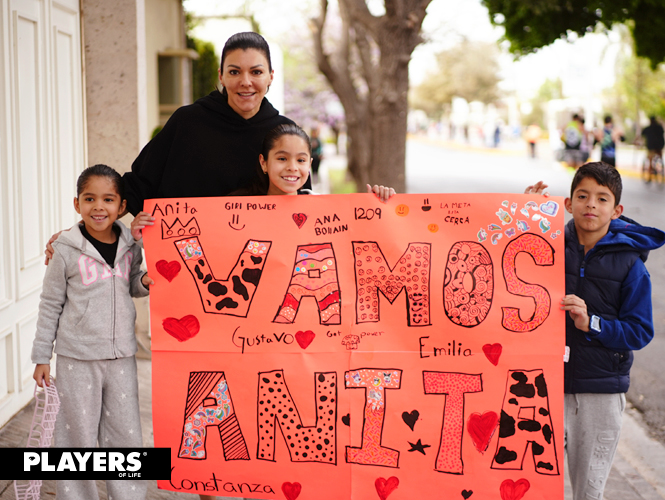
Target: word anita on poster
(335,347)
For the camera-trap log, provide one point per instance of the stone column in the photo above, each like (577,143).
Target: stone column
(115,80)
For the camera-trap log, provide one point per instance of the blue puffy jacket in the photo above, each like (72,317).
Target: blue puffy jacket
(613,281)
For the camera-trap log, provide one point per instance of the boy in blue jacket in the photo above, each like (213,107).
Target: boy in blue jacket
(608,299)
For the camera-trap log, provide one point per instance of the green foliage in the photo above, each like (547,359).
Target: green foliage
(469,70)
(156,131)
(204,69)
(549,90)
(532,24)
(649,31)
(642,87)
(639,91)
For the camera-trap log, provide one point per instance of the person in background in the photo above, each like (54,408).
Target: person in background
(607,138)
(572,139)
(654,139)
(586,142)
(532,136)
(317,153)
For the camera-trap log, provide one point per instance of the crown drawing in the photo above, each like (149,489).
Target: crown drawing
(177,230)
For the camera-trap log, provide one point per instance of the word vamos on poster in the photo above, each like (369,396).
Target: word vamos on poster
(335,347)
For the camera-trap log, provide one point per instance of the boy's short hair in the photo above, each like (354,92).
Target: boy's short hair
(603,173)
(607,119)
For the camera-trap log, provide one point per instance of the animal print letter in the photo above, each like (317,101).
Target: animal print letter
(525,418)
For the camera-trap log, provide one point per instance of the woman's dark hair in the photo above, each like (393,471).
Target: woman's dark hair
(100,171)
(603,173)
(246,40)
(260,182)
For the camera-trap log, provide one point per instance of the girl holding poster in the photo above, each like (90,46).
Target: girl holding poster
(209,148)
(285,162)
(283,166)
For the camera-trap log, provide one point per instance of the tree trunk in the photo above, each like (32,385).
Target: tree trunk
(389,116)
(368,70)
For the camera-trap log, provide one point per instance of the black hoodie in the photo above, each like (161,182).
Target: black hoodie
(205,149)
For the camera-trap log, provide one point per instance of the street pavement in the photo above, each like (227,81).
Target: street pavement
(638,471)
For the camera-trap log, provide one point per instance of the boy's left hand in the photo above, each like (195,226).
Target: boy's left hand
(576,307)
(382,192)
(538,188)
(147,280)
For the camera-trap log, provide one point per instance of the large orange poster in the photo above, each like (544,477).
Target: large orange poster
(335,347)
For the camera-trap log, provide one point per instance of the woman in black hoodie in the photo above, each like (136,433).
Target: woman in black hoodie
(210,148)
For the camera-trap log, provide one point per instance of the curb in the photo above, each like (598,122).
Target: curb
(641,453)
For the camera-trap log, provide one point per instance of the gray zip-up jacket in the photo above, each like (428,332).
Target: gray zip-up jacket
(85,305)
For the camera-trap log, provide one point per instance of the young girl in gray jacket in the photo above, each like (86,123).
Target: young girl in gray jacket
(86,308)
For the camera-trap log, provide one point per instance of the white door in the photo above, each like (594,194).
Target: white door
(41,152)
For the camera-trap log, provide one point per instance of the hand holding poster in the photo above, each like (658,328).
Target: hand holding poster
(337,347)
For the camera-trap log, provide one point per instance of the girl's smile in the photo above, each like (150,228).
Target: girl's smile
(287,165)
(99,205)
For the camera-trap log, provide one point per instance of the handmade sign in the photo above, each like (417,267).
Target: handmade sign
(335,347)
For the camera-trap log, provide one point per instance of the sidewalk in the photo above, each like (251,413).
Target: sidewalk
(637,473)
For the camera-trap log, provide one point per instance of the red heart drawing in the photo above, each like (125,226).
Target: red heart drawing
(514,490)
(182,329)
(291,490)
(385,487)
(305,338)
(299,219)
(481,429)
(168,269)
(493,352)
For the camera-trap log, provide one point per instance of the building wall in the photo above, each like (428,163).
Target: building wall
(165,30)
(115,74)
(42,149)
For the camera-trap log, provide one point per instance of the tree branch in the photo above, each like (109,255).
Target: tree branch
(371,73)
(322,59)
(358,12)
(335,67)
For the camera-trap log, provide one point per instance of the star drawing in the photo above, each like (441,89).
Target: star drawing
(418,446)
